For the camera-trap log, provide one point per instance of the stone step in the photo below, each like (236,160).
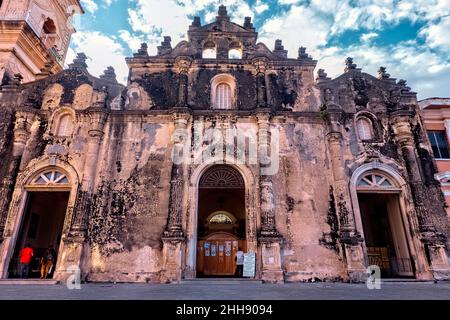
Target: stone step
(220,281)
(34,282)
(399,280)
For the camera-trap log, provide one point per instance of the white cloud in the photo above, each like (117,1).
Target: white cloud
(102,51)
(89,5)
(367,37)
(296,29)
(438,35)
(260,7)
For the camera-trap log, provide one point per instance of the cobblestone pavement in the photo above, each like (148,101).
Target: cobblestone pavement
(199,291)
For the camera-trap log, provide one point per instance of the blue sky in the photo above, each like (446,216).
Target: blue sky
(409,37)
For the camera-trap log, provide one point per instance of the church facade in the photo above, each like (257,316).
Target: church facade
(217,145)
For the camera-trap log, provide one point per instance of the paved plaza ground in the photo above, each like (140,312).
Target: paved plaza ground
(226,291)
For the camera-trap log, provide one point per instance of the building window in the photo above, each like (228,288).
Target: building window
(365,129)
(65,126)
(49,26)
(220,218)
(235,54)
(223,96)
(209,54)
(209,50)
(223,91)
(51,177)
(375,181)
(439,144)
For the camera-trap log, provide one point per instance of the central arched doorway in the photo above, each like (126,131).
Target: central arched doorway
(221,223)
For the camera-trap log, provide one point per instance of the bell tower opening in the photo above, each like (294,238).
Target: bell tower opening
(221,222)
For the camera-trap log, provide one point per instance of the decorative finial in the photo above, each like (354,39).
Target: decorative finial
(109,74)
(279,44)
(302,53)
(349,65)
(143,50)
(322,76)
(279,49)
(196,22)
(79,62)
(248,23)
(382,74)
(404,87)
(165,46)
(223,14)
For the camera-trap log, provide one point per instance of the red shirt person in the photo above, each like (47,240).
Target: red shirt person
(25,256)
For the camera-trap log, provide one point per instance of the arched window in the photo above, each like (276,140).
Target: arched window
(365,129)
(223,93)
(51,177)
(223,96)
(65,126)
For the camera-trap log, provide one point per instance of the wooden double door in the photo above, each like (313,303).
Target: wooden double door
(216,254)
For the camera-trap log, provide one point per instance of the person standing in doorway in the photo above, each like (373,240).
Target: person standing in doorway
(239,262)
(25,256)
(47,262)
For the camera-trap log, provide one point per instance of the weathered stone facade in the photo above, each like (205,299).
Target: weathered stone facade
(132,211)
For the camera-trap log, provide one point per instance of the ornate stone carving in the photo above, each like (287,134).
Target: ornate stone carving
(183,64)
(260,64)
(83,97)
(137,98)
(52,97)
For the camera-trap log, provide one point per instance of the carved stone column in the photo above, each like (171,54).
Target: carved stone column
(269,237)
(434,242)
(22,129)
(349,238)
(174,237)
(260,65)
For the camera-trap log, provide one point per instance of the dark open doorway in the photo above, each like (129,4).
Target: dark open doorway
(41,228)
(384,233)
(221,222)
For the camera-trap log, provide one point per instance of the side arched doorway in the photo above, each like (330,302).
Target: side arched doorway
(41,222)
(383,224)
(221,223)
